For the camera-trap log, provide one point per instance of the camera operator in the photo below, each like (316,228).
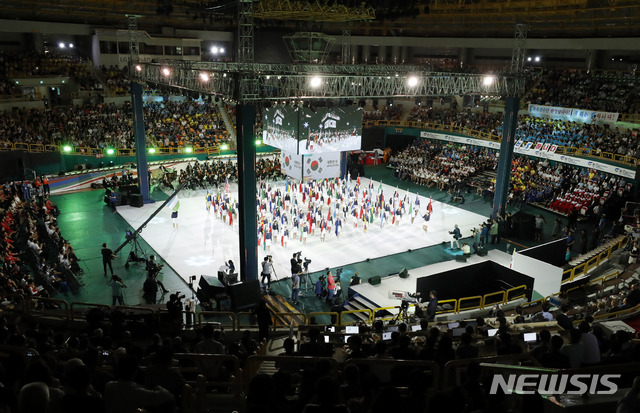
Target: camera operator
(296,263)
(267,270)
(174,306)
(150,286)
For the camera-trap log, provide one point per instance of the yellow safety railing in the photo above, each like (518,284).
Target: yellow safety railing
(617,313)
(331,314)
(287,319)
(389,317)
(366,311)
(582,268)
(493,298)
(515,293)
(228,319)
(85,150)
(452,301)
(592,153)
(470,303)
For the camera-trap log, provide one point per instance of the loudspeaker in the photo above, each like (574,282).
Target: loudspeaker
(375,280)
(135,200)
(463,258)
(482,252)
(245,294)
(404,273)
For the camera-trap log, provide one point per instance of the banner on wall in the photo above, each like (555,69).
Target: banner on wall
(310,166)
(529,149)
(321,165)
(572,114)
(291,164)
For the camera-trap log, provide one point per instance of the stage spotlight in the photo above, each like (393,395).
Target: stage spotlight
(221,50)
(488,80)
(204,76)
(315,82)
(70,45)
(224,147)
(537,58)
(111,151)
(258,142)
(152,150)
(67,148)
(188,150)
(138,68)
(529,59)
(166,71)
(412,81)
(61,45)
(214,50)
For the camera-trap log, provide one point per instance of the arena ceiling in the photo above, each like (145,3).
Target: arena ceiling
(434,18)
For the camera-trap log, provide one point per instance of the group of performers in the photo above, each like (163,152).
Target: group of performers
(302,210)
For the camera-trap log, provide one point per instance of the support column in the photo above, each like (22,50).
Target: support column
(343,165)
(366,53)
(245,121)
(395,54)
(141,142)
(506,154)
(382,54)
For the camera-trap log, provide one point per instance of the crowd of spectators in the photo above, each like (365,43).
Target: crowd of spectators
(168,124)
(577,89)
(446,165)
(214,174)
(475,120)
(581,135)
(36,259)
(393,112)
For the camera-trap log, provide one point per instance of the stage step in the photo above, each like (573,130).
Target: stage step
(279,304)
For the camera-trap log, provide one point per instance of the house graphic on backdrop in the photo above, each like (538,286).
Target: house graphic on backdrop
(330,121)
(278,118)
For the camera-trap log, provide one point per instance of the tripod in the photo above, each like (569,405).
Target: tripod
(403,314)
(306,280)
(136,253)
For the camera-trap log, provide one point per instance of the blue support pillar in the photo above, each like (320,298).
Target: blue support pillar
(141,144)
(343,165)
(506,154)
(245,121)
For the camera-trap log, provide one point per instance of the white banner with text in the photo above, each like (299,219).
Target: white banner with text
(537,150)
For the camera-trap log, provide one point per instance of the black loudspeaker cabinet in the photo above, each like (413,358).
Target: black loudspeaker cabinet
(244,295)
(135,200)
(404,273)
(462,258)
(375,280)
(482,252)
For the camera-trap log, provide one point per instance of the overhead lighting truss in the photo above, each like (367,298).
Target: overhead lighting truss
(311,11)
(259,81)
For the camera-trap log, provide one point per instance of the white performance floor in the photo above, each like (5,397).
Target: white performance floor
(203,242)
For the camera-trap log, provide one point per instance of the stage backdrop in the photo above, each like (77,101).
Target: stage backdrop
(306,131)
(471,280)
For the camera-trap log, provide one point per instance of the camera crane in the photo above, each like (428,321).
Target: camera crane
(134,235)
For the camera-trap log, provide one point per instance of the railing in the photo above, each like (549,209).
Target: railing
(228,318)
(85,150)
(566,150)
(366,311)
(79,310)
(582,269)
